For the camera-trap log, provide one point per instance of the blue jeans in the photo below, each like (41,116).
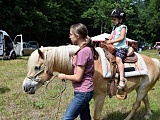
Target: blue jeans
(79,106)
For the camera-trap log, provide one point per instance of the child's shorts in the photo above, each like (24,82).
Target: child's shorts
(121,52)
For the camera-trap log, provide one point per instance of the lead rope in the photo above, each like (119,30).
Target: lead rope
(59,103)
(56,96)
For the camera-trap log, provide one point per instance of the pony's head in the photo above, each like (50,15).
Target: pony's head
(43,62)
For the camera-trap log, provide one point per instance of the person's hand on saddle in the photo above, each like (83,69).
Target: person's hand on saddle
(108,41)
(102,44)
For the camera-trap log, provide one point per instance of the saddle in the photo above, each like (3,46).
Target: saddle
(131,58)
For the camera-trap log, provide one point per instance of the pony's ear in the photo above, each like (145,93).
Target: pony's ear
(40,54)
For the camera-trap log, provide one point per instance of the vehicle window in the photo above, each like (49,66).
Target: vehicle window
(29,45)
(33,43)
(18,39)
(24,46)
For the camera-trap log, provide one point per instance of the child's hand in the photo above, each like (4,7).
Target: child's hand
(108,42)
(102,44)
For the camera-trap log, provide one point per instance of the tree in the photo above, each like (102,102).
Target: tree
(41,20)
(99,13)
(153,20)
(48,21)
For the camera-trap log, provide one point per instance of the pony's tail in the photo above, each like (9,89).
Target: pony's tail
(157,63)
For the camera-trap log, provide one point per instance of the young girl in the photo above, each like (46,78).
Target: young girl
(118,39)
(83,73)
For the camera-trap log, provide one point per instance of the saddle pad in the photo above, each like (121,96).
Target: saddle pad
(105,63)
(140,66)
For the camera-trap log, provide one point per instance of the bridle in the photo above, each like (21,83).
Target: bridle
(39,70)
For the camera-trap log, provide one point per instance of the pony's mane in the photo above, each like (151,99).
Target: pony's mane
(35,56)
(56,58)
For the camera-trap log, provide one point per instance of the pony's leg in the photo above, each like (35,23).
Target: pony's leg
(98,101)
(136,105)
(147,106)
(141,95)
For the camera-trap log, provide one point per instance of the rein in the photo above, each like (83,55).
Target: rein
(59,94)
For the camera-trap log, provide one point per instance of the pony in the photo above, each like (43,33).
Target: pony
(44,61)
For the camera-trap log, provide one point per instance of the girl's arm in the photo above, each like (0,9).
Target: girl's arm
(111,36)
(122,36)
(76,77)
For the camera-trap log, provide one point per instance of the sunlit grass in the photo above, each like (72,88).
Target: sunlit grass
(17,105)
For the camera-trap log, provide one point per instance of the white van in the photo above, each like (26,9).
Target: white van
(9,49)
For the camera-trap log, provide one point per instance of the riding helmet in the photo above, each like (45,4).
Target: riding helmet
(119,13)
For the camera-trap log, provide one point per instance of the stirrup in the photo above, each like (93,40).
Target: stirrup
(122,84)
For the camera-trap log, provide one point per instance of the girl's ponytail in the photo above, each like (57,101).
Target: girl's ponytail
(89,43)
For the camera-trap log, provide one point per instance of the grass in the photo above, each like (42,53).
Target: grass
(16,105)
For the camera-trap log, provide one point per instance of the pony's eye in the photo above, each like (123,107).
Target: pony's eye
(37,68)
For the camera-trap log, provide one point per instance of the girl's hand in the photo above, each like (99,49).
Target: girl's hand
(73,58)
(61,76)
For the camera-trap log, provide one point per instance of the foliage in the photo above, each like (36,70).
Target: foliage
(140,17)
(153,23)
(37,104)
(48,21)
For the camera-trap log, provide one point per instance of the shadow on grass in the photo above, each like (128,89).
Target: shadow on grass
(4,90)
(139,115)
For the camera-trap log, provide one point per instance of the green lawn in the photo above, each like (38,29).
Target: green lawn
(16,105)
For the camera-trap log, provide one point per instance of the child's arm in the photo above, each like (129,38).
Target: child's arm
(122,36)
(111,36)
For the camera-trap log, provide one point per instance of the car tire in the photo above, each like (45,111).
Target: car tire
(13,55)
(22,53)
